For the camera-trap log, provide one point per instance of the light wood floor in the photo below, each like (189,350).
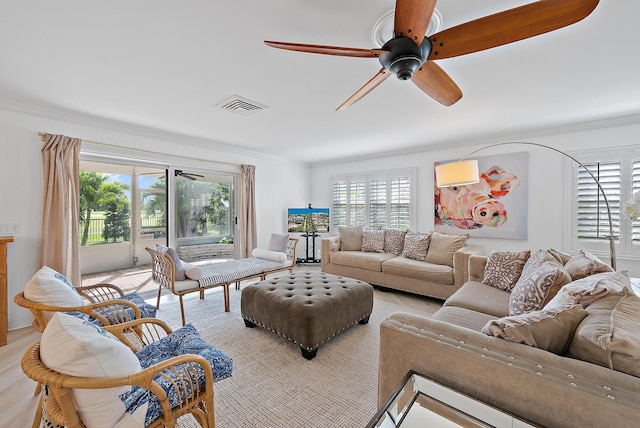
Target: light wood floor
(17,402)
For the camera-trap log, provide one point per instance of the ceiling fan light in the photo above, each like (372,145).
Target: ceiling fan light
(404,67)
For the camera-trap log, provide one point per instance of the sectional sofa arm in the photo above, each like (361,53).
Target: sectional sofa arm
(328,245)
(518,379)
(461,263)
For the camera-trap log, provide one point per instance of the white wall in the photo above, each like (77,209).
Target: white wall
(549,215)
(280,183)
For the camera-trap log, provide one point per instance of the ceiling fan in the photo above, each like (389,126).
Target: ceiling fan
(410,55)
(188,175)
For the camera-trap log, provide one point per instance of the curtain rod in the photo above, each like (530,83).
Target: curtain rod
(44,134)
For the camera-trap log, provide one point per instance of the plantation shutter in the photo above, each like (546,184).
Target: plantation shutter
(358,203)
(400,202)
(339,211)
(635,186)
(382,199)
(378,202)
(593,222)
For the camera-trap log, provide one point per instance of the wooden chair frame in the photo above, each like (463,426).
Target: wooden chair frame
(60,409)
(163,273)
(106,297)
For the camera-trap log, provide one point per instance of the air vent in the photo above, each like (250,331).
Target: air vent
(240,105)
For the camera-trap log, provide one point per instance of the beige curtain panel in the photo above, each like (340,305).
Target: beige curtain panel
(247,217)
(59,245)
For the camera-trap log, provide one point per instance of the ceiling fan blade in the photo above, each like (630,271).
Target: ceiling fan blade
(412,18)
(365,89)
(509,26)
(327,50)
(436,83)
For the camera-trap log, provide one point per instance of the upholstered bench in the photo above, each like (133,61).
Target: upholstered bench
(307,308)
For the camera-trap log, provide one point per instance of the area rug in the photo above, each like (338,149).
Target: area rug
(272,384)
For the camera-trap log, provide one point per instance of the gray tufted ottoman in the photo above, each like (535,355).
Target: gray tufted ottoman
(307,308)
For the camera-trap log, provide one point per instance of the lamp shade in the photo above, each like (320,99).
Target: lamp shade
(457,173)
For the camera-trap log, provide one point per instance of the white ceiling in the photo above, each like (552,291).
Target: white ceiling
(165,64)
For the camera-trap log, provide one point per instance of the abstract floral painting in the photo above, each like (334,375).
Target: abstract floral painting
(495,207)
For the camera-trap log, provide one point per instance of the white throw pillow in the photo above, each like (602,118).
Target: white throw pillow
(77,348)
(276,256)
(192,271)
(278,242)
(52,288)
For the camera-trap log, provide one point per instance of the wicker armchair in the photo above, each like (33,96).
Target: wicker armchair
(194,397)
(105,305)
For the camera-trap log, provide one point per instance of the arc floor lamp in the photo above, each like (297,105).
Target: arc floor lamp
(465,171)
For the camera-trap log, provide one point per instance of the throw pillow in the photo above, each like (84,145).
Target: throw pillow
(373,241)
(275,256)
(610,335)
(416,245)
(394,241)
(442,247)
(538,278)
(503,268)
(560,256)
(584,264)
(178,269)
(587,290)
(192,271)
(350,238)
(78,348)
(278,242)
(52,288)
(549,329)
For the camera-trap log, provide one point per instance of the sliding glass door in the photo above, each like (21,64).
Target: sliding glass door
(205,215)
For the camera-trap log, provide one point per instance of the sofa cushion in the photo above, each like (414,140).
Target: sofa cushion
(442,247)
(416,245)
(587,290)
(480,297)
(584,264)
(394,241)
(463,317)
(549,329)
(425,271)
(610,335)
(360,259)
(350,238)
(373,241)
(539,280)
(503,268)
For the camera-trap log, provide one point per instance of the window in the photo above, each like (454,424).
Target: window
(383,199)
(619,175)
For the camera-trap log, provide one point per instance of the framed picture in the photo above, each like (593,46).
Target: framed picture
(495,207)
(305,220)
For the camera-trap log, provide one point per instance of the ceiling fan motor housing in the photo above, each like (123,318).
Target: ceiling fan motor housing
(404,57)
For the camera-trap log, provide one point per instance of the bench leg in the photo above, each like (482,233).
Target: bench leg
(182,310)
(159,293)
(309,355)
(202,294)
(227,303)
(248,323)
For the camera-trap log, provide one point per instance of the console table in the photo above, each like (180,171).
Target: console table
(4,314)
(421,402)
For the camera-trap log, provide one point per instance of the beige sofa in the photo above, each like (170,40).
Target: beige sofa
(572,388)
(438,274)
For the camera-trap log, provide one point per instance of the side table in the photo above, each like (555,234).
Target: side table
(420,402)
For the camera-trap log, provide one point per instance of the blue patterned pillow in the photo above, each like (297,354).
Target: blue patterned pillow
(185,340)
(112,311)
